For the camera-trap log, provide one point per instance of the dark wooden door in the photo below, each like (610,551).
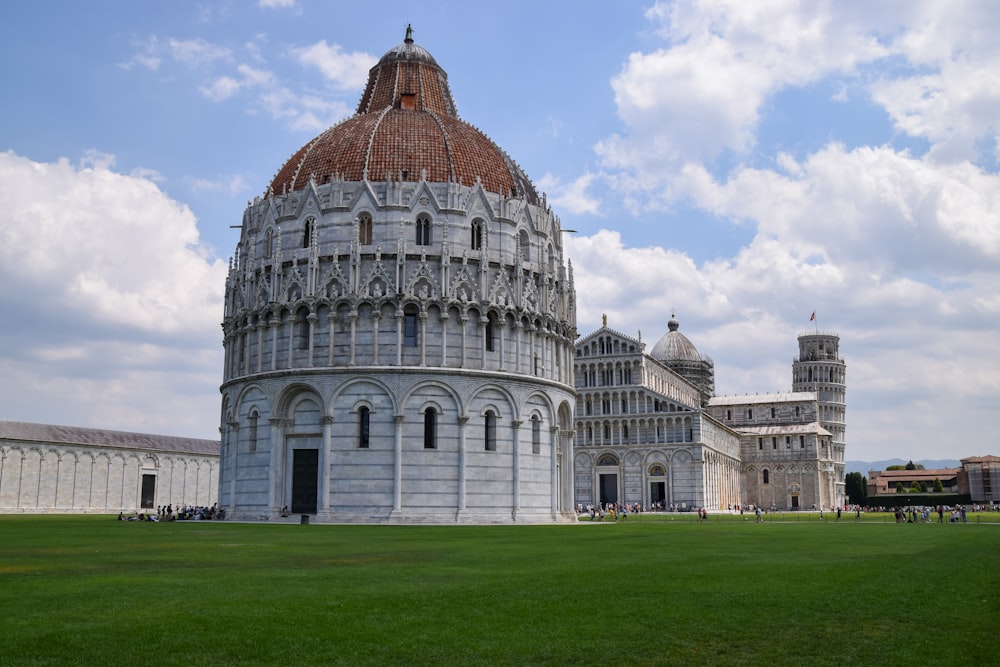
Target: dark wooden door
(305,480)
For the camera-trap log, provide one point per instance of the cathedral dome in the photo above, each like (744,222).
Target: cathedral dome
(675,346)
(406,128)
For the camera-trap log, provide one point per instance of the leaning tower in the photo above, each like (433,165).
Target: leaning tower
(819,368)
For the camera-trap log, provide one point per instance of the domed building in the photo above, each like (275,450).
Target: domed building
(399,325)
(681,356)
(643,436)
(651,432)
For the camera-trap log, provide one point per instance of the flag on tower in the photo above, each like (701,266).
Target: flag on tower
(813,316)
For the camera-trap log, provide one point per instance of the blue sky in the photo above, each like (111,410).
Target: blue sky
(743,164)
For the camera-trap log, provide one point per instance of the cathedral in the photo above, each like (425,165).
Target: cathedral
(401,347)
(650,431)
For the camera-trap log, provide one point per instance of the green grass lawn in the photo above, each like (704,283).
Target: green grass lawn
(91,590)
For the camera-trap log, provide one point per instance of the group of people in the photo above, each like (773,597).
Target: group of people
(187,513)
(613,511)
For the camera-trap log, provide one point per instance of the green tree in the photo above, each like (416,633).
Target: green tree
(938,486)
(914,488)
(923,487)
(896,467)
(856,487)
(899,488)
(910,465)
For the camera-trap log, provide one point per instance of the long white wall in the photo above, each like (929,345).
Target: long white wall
(61,479)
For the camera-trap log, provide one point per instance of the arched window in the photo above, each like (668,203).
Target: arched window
(364,427)
(365,229)
(490,435)
(268,243)
(536,435)
(525,245)
(766,474)
(430,428)
(307,232)
(477,235)
(490,331)
(423,230)
(607,460)
(410,326)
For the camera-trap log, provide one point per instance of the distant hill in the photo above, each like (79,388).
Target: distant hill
(864,466)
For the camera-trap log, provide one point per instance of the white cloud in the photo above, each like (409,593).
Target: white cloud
(703,93)
(108,287)
(233,185)
(572,198)
(197,52)
(104,246)
(221,89)
(147,54)
(276,4)
(225,87)
(345,70)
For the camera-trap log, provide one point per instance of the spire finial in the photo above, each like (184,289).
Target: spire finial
(409,34)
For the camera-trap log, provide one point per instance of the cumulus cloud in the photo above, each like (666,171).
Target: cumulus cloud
(573,197)
(897,247)
(344,70)
(108,287)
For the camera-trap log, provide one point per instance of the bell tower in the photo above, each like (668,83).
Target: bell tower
(820,368)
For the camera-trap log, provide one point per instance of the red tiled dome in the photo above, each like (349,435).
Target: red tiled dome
(406,126)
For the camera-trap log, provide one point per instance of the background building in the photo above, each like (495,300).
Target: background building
(642,435)
(650,431)
(793,444)
(399,324)
(70,469)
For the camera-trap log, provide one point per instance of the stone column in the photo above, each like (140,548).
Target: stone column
(444,337)
(517,346)
(376,321)
(483,321)
(275,325)
(399,337)
(260,345)
(276,473)
(331,319)
(312,318)
(462,422)
(423,338)
(354,336)
(323,506)
(516,468)
(502,327)
(464,319)
(397,467)
(554,465)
